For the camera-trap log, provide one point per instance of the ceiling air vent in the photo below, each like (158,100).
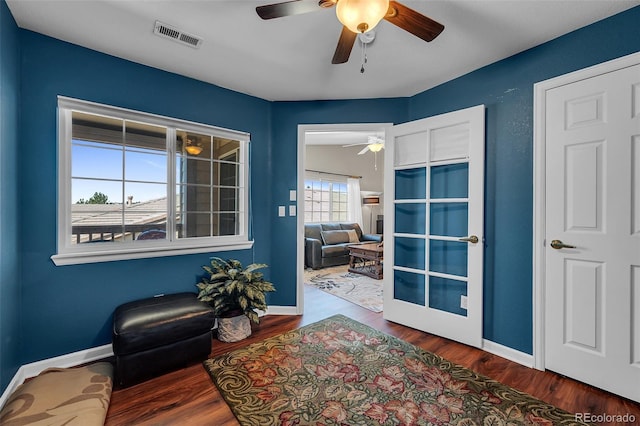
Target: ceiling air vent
(167,31)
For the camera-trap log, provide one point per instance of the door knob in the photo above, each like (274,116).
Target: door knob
(557,244)
(470,239)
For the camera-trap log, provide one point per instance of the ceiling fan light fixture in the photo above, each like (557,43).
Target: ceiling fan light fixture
(361,16)
(192,148)
(376,147)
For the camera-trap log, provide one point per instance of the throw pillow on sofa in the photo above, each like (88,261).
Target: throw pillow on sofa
(353,236)
(335,237)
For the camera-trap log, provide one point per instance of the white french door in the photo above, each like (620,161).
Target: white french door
(592,237)
(433,234)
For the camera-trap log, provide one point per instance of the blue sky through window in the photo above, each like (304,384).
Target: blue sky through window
(98,167)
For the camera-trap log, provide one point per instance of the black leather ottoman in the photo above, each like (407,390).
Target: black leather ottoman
(156,335)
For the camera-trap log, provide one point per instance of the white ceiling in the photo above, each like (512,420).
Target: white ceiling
(290,58)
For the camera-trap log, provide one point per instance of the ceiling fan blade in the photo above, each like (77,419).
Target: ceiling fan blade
(365,149)
(287,8)
(355,144)
(345,44)
(413,22)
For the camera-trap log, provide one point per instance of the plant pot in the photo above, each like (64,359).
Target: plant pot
(233,329)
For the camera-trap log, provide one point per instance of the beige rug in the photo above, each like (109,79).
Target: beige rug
(356,288)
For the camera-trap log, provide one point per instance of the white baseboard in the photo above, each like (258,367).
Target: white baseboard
(282,310)
(17,380)
(508,353)
(68,360)
(62,361)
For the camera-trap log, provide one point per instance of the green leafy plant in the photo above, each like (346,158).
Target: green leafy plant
(227,287)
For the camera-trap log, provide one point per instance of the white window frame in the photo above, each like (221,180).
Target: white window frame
(70,254)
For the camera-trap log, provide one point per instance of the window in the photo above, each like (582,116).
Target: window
(325,201)
(137,185)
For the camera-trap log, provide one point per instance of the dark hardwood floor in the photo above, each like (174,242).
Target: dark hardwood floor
(188,397)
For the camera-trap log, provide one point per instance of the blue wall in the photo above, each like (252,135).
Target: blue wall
(506,89)
(9,241)
(69,308)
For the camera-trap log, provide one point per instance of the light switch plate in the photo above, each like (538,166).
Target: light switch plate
(292,195)
(281,211)
(292,210)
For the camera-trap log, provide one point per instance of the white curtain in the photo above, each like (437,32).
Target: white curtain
(354,202)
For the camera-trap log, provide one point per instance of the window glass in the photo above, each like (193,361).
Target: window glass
(208,191)
(325,201)
(130,177)
(119,179)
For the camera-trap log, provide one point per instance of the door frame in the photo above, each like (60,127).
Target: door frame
(302,154)
(539,192)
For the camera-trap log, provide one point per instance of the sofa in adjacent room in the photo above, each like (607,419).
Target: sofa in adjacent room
(325,244)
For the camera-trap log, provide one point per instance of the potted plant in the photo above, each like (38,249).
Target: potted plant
(234,294)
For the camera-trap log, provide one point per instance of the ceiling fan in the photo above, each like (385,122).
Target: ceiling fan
(358,16)
(373,144)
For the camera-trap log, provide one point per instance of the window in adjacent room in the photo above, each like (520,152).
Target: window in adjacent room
(135,185)
(325,201)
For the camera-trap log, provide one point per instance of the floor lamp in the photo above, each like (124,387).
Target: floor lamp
(370,202)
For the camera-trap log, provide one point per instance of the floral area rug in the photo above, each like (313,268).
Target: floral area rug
(341,372)
(356,288)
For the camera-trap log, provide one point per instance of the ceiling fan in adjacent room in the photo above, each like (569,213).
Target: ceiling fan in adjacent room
(358,16)
(374,144)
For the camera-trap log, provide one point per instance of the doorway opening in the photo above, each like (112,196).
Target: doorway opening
(329,155)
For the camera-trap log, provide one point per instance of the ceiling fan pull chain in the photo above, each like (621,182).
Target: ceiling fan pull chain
(364,57)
